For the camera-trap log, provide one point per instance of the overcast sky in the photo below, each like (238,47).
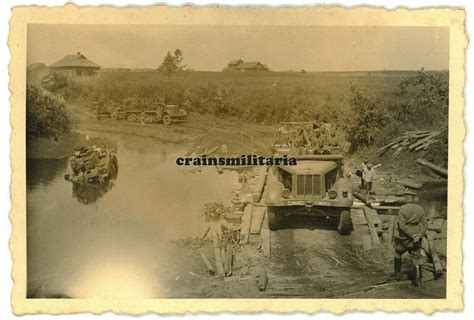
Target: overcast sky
(313,48)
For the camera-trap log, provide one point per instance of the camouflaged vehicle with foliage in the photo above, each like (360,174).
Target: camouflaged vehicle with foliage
(92,165)
(312,137)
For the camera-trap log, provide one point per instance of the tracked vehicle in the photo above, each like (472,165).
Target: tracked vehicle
(315,186)
(166,114)
(157,113)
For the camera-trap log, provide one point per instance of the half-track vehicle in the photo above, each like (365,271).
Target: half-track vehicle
(158,112)
(315,186)
(166,114)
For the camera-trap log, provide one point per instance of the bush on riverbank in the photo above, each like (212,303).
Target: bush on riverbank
(46,115)
(420,102)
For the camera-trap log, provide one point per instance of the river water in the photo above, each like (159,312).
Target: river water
(434,198)
(114,240)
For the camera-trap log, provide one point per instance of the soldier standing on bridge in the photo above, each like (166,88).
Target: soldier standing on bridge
(410,230)
(363,167)
(368,176)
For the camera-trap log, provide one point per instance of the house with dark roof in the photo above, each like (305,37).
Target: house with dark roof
(75,65)
(240,65)
(234,63)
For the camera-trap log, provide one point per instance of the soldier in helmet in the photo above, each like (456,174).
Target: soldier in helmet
(410,230)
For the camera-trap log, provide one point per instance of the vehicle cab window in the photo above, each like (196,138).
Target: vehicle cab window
(286,179)
(330,179)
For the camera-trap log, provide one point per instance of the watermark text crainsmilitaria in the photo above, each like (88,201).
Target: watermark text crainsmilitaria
(243,160)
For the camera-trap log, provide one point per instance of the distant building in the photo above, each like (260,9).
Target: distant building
(36,72)
(234,63)
(240,65)
(75,65)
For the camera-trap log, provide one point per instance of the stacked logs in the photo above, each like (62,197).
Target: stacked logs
(411,140)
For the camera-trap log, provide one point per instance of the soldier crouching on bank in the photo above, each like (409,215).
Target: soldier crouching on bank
(410,230)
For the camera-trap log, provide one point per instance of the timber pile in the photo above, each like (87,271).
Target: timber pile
(410,141)
(389,191)
(437,169)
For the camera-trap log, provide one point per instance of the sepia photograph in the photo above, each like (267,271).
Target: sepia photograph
(252,161)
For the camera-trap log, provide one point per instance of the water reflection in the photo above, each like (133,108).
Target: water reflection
(89,193)
(42,172)
(114,278)
(434,198)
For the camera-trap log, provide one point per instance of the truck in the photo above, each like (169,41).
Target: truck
(92,165)
(164,113)
(315,186)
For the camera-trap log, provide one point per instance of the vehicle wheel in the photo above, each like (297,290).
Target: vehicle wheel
(149,118)
(132,117)
(167,119)
(345,223)
(114,114)
(272,219)
(142,117)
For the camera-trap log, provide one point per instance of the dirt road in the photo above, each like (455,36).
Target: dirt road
(324,264)
(198,132)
